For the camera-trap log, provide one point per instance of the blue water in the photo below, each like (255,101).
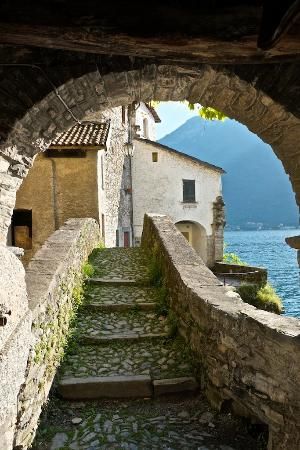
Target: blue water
(268,249)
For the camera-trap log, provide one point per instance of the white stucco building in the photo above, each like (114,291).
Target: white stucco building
(166,181)
(117,186)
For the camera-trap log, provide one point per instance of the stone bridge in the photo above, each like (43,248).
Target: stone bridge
(248,358)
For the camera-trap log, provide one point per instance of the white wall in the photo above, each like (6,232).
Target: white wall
(144,113)
(158,187)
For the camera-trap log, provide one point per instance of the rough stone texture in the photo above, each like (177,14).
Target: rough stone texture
(242,92)
(250,357)
(161,358)
(118,386)
(293,242)
(173,385)
(15,341)
(166,423)
(51,278)
(243,273)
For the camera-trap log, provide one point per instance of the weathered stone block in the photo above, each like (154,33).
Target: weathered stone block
(106,387)
(174,385)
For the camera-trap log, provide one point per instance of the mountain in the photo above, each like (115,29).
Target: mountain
(255,186)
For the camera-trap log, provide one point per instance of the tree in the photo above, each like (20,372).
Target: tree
(205,112)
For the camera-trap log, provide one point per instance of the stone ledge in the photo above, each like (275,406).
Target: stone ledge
(88,340)
(117,307)
(114,282)
(249,356)
(174,385)
(106,387)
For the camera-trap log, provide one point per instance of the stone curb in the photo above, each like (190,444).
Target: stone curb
(88,340)
(123,386)
(174,385)
(121,306)
(106,387)
(116,282)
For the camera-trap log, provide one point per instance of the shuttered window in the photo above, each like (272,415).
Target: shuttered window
(189,191)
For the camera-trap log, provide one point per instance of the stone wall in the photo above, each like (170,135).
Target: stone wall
(249,358)
(242,92)
(15,340)
(245,273)
(52,275)
(55,190)
(115,211)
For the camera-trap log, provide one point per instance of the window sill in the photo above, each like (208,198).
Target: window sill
(190,203)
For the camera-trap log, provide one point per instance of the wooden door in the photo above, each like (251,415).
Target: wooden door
(126,239)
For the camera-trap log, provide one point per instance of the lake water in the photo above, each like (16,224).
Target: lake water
(268,249)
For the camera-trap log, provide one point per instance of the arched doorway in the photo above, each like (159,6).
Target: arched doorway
(196,235)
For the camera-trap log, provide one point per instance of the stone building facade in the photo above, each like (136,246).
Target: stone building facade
(185,188)
(114,181)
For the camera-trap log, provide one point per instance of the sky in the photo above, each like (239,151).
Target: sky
(172,114)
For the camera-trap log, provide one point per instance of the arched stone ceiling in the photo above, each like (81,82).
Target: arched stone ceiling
(37,103)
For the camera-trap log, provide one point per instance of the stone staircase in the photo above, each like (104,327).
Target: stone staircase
(113,380)
(124,349)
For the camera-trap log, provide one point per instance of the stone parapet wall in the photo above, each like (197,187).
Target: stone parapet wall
(244,273)
(15,341)
(249,358)
(52,276)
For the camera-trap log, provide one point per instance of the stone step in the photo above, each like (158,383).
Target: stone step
(123,386)
(109,281)
(119,307)
(161,358)
(120,263)
(174,386)
(94,324)
(124,295)
(90,340)
(106,387)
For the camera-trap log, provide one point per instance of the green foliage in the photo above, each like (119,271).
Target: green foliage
(205,112)
(208,113)
(232,258)
(88,270)
(263,297)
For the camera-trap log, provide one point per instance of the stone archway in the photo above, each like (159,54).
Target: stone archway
(93,91)
(196,235)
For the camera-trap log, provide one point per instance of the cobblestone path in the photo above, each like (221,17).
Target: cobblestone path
(124,351)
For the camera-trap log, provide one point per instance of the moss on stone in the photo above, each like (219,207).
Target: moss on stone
(262,297)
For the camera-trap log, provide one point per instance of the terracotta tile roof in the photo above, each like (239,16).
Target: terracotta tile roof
(83,135)
(155,116)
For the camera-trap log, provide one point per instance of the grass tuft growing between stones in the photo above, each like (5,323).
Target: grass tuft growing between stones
(154,273)
(262,297)
(88,270)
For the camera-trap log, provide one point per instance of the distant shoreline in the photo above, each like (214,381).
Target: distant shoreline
(263,229)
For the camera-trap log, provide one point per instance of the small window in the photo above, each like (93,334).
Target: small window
(22,228)
(123,115)
(145,128)
(154,156)
(102,172)
(189,191)
(117,238)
